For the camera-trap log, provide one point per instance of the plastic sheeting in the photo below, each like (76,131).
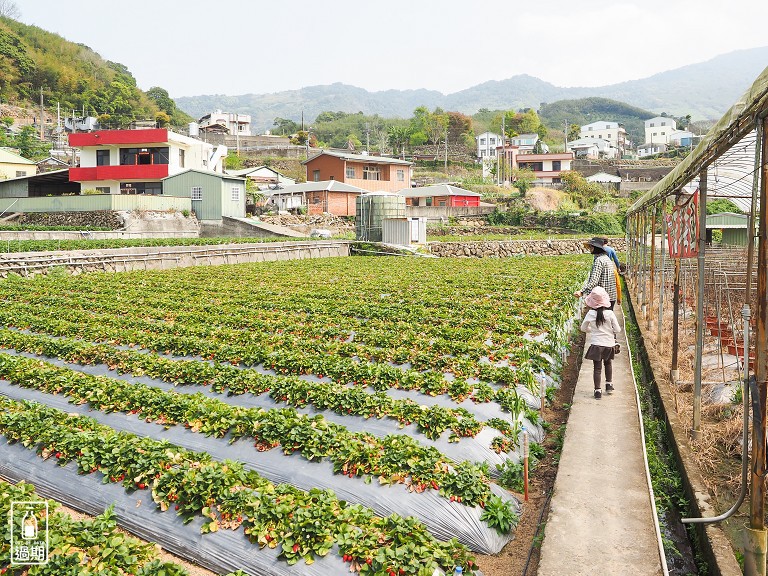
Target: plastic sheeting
(223,551)
(444,519)
(736,123)
(477,449)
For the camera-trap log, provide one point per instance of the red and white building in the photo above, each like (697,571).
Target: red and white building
(136,161)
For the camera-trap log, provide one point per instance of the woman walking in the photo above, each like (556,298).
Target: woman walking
(601,325)
(603,272)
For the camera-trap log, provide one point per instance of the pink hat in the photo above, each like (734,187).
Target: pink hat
(598,298)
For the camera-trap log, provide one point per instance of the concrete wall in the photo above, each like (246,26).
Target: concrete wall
(435,213)
(165,257)
(94,202)
(514,248)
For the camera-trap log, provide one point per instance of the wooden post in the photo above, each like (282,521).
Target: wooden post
(652,271)
(757,503)
(702,243)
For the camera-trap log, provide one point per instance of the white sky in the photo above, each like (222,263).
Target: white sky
(234,47)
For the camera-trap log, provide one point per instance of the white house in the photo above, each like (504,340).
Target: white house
(683,138)
(659,129)
(235,123)
(264,177)
(592,148)
(487,142)
(612,132)
(527,142)
(649,149)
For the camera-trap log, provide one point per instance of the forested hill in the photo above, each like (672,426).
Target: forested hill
(704,90)
(587,110)
(75,76)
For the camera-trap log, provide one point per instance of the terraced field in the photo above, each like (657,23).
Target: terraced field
(306,417)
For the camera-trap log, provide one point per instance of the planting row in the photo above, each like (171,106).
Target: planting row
(390,460)
(436,316)
(293,391)
(304,525)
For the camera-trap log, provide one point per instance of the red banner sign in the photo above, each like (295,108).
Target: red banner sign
(683,229)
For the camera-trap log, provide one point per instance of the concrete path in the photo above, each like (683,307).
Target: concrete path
(601,520)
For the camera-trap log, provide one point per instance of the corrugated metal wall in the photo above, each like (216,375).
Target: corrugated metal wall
(209,208)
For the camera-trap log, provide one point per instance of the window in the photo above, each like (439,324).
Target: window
(493,141)
(609,135)
(235,193)
(663,133)
(401,175)
(482,141)
(197,193)
(141,188)
(556,165)
(428,201)
(663,123)
(371,172)
(350,171)
(316,175)
(103,189)
(102,157)
(143,156)
(20,173)
(181,158)
(652,124)
(590,129)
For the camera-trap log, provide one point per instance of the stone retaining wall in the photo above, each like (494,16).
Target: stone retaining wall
(164,257)
(98,218)
(505,249)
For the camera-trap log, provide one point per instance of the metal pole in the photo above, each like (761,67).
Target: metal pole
(662,245)
(643,271)
(756,535)
(652,271)
(675,373)
(702,243)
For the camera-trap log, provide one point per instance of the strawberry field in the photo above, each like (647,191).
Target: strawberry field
(303,417)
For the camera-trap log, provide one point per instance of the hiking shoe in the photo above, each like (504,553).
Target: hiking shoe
(608,388)
(598,393)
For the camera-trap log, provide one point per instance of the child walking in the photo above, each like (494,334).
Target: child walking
(601,324)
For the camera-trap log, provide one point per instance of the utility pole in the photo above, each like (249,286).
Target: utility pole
(367,138)
(446,147)
(42,113)
(503,148)
(566,136)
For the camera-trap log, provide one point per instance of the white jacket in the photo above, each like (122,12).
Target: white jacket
(603,335)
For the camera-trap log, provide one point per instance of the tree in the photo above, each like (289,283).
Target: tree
(719,205)
(162,119)
(436,126)
(9,9)
(574,130)
(398,137)
(522,179)
(28,144)
(583,192)
(285,127)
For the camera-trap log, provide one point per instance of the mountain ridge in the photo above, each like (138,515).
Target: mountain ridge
(705,90)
